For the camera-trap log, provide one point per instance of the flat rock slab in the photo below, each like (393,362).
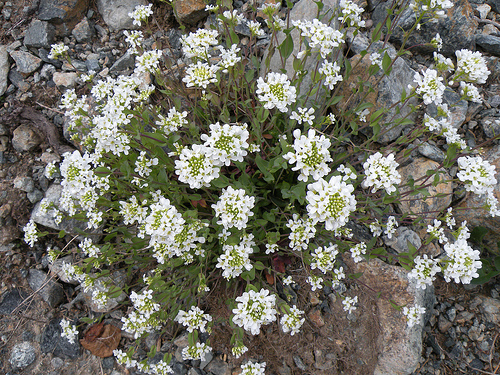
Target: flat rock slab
(115,13)
(13,301)
(62,11)
(52,342)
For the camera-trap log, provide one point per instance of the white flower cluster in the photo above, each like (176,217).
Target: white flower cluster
(437,231)
(430,86)
(349,304)
(320,35)
(381,173)
(443,64)
(239,349)
(196,45)
(256,29)
(234,208)
(311,155)
(195,168)
(141,13)
(173,121)
(193,319)
(255,368)
(132,211)
(88,248)
(292,321)
(276,91)
(57,51)
(229,57)
(471,67)
(413,314)
(254,309)
(462,263)
(226,143)
(196,351)
(315,282)
(148,62)
(124,359)
(437,42)
(351,14)
(477,174)
(302,230)
(331,71)
(135,38)
(331,202)
(50,170)
(143,318)
(69,331)
(433,9)
(357,251)
(201,75)
(30,233)
(424,271)
(303,115)
(235,258)
(390,227)
(470,92)
(143,164)
(323,258)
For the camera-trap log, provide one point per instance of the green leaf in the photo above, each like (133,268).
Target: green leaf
(62,233)
(249,75)
(477,234)
(249,275)
(497,263)
(377,33)
(102,171)
(386,63)
(264,168)
(355,275)
(286,48)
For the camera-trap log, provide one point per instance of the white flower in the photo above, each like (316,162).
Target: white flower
(331,202)
(331,72)
(124,359)
(357,251)
(470,92)
(195,168)
(430,86)
(301,232)
(30,233)
(232,17)
(148,62)
(391,226)
(68,331)
(324,258)
(193,319)
(351,14)
(350,304)
(57,51)
(250,368)
(432,10)
(424,271)
(311,155)
(200,75)
(135,39)
(276,91)
(437,42)
(256,29)
(234,259)
(292,321)
(442,63)
(477,174)
(143,165)
(437,232)
(254,309)
(288,280)
(413,315)
(226,143)
(88,247)
(320,35)
(471,67)
(381,173)
(173,121)
(376,228)
(194,352)
(303,115)
(239,349)
(50,170)
(234,208)
(315,282)
(271,248)
(462,263)
(229,57)
(141,13)
(161,368)
(376,59)
(197,44)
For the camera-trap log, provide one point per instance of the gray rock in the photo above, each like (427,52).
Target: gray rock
(39,34)
(35,196)
(218,367)
(13,301)
(4,69)
(52,342)
(489,43)
(431,152)
(495,5)
(457,107)
(491,126)
(490,307)
(92,65)
(18,81)
(65,80)
(208,358)
(26,62)
(22,355)
(115,13)
(444,324)
(127,61)
(103,284)
(299,363)
(24,183)
(50,290)
(189,11)
(83,31)
(24,138)
(63,11)
(57,362)
(47,71)
(57,269)
(400,239)
(303,10)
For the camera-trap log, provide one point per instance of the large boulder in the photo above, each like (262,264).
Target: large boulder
(115,13)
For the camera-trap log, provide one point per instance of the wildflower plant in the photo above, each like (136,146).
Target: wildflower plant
(206,178)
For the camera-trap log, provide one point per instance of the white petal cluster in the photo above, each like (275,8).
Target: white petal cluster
(234,208)
(311,155)
(173,121)
(232,17)
(323,258)
(349,304)
(195,168)
(443,64)
(193,319)
(430,86)
(470,92)
(351,13)
(132,211)
(302,230)
(229,57)
(254,309)
(292,321)
(331,71)
(141,13)
(234,259)
(196,45)
(163,222)
(124,359)
(196,351)
(315,282)
(320,35)
(200,75)
(331,202)
(357,251)
(276,91)
(433,9)
(413,314)
(57,51)
(135,39)
(437,232)
(250,368)
(148,62)
(303,115)
(226,143)
(471,67)
(239,349)
(88,248)
(143,164)
(424,271)
(390,227)
(462,263)
(69,331)
(381,173)
(477,174)
(256,29)
(143,318)
(30,233)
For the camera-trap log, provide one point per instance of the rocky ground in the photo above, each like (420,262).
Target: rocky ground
(461,330)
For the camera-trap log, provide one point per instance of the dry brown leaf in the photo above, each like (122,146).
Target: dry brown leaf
(102,339)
